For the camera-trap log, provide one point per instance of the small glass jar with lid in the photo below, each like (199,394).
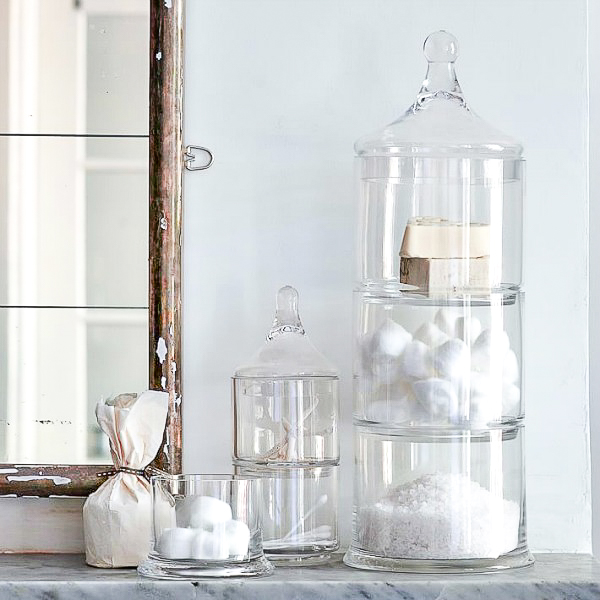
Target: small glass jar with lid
(285,403)
(438,414)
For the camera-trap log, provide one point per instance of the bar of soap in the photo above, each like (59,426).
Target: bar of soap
(434,237)
(446,273)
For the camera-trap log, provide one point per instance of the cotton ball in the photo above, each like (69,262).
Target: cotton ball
(451,360)
(238,537)
(385,369)
(511,398)
(203,512)
(467,329)
(415,362)
(437,397)
(398,410)
(390,338)
(445,320)
(210,545)
(510,369)
(479,384)
(490,346)
(485,401)
(176,542)
(385,345)
(430,334)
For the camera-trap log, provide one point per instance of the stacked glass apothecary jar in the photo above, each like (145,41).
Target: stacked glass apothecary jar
(285,415)
(438,415)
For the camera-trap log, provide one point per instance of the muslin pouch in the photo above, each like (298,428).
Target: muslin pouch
(117,517)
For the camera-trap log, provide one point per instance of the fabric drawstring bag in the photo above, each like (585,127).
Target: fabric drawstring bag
(117,517)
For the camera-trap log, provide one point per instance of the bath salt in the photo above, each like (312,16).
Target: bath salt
(440,516)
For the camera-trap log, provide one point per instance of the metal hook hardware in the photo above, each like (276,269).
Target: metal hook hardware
(190,157)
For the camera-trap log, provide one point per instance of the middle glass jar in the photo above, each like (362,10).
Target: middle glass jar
(285,404)
(438,413)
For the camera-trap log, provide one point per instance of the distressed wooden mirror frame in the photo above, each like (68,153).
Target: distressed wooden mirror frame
(164,297)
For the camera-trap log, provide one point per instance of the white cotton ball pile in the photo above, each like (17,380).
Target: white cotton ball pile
(238,536)
(467,329)
(391,338)
(438,398)
(176,542)
(393,410)
(382,350)
(511,396)
(485,399)
(431,334)
(210,545)
(451,360)
(510,370)
(207,512)
(490,347)
(205,531)
(415,361)
(445,319)
(452,369)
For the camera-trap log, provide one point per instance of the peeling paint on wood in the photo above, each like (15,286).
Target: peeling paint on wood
(47,480)
(166,188)
(56,479)
(161,350)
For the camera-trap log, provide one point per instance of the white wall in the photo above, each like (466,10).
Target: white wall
(279,90)
(594,219)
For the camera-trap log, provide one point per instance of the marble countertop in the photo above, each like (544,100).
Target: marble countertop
(66,577)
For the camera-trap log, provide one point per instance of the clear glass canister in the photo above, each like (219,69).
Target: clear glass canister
(285,403)
(438,413)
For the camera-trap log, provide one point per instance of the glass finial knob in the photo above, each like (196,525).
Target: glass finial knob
(441,47)
(287,318)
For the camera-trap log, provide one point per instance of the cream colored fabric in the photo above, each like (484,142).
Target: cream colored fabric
(117,517)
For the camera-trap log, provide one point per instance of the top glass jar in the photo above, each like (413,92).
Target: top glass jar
(441,193)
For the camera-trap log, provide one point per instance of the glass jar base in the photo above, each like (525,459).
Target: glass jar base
(191,570)
(360,559)
(302,560)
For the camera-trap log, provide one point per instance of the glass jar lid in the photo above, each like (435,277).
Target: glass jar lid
(440,123)
(287,351)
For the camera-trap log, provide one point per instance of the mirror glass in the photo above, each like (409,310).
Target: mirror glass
(74,66)
(73,222)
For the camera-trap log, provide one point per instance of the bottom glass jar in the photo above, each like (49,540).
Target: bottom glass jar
(435,501)
(299,512)
(205,526)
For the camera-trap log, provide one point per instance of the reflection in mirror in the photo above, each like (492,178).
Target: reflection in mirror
(73,222)
(74,66)
(55,365)
(76,218)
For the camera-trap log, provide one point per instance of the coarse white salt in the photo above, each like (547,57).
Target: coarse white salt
(440,516)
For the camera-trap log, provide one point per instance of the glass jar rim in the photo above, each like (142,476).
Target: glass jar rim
(208,477)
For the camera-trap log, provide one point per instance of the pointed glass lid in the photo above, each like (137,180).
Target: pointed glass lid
(440,122)
(287,351)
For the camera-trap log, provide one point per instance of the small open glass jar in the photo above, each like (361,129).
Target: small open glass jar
(206,526)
